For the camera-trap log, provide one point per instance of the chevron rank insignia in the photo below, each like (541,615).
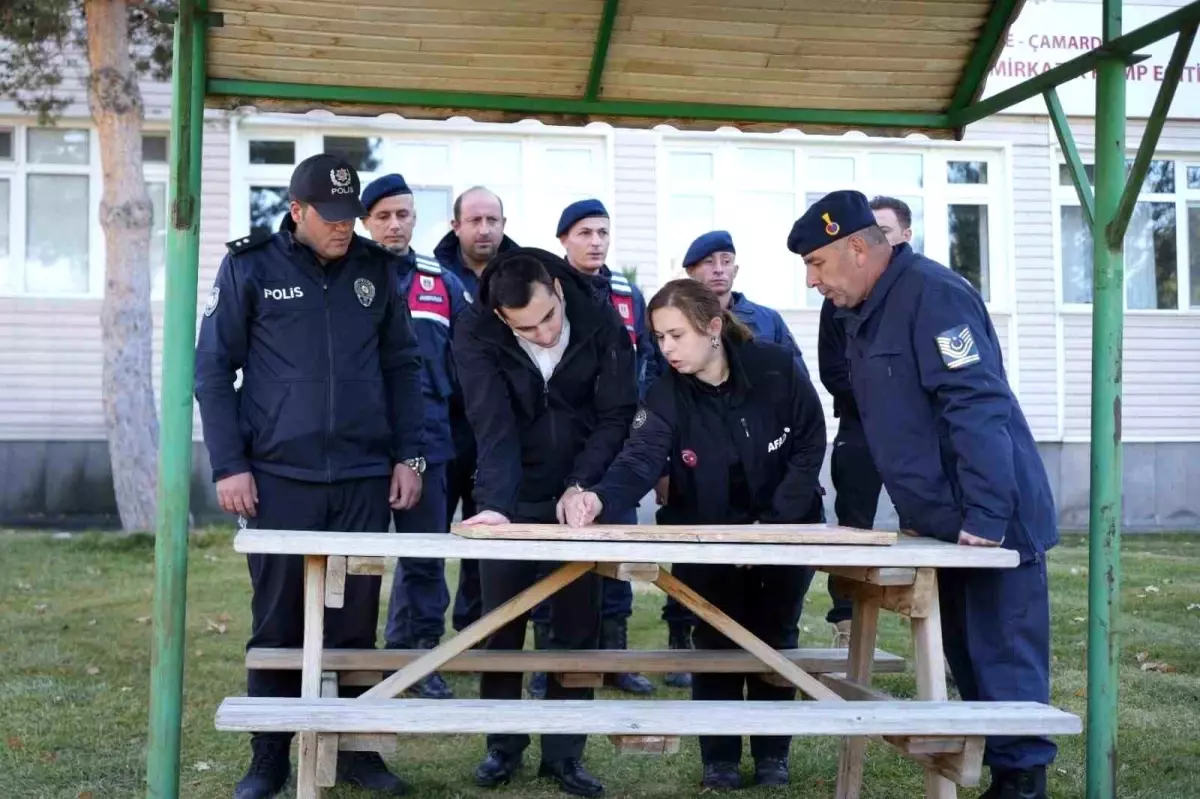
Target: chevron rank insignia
(957,346)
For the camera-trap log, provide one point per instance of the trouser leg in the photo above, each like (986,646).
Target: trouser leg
(574,624)
(460,481)
(419,597)
(857,485)
(774,601)
(500,581)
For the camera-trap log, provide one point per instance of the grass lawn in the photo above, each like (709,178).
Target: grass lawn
(74,671)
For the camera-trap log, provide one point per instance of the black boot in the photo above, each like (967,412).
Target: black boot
(541,642)
(720,775)
(571,776)
(679,636)
(771,771)
(1027,783)
(497,768)
(432,686)
(367,770)
(614,634)
(269,768)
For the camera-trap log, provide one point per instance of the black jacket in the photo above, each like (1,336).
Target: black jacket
(331,386)
(534,437)
(750,451)
(833,363)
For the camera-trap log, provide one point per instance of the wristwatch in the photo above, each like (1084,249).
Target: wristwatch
(417,464)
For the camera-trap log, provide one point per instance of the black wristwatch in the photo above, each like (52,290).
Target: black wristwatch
(417,464)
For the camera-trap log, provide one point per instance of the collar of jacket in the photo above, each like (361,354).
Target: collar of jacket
(292,245)
(448,252)
(741,383)
(902,258)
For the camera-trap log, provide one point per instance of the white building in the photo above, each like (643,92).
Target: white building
(996,206)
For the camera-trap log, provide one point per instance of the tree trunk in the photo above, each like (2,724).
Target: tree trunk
(127,326)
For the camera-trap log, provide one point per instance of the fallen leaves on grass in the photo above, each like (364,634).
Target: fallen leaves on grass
(14,743)
(201,766)
(217,627)
(1154,665)
(1079,619)
(1151,589)
(24,586)
(40,608)
(91,623)
(1193,606)
(92,671)
(142,619)
(84,795)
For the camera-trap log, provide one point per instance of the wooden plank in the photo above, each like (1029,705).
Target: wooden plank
(327,743)
(337,25)
(580,679)
(727,40)
(397,81)
(370,662)
(761,30)
(908,552)
(502,17)
(628,572)
(773,76)
(364,72)
(852,691)
(429,50)
(864,629)
(874,576)
(925,745)
(307,786)
(914,601)
(371,567)
(366,742)
(635,717)
(646,744)
(743,637)
(879,19)
(680,534)
(335,581)
(930,668)
(476,632)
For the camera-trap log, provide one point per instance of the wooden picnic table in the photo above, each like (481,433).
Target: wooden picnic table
(945,738)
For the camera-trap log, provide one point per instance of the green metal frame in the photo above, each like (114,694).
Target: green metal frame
(1107,209)
(600,55)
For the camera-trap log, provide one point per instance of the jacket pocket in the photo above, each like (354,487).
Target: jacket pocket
(291,428)
(362,426)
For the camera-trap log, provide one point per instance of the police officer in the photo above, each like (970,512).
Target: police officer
(583,231)
(744,434)
(856,481)
(476,235)
(955,453)
(548,378)
(324,432)
(712,260)
(435,297)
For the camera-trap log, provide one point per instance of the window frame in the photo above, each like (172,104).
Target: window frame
(936,193)
(534,176)
(1066,196)
(17,171)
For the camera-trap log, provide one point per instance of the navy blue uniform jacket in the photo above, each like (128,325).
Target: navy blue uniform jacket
(448,253)
(766,324)
(943,426)
(535,437)
(649,362)
(330,368)
(832,363)
(434,332)
(771,418)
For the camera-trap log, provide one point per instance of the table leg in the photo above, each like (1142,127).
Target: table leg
(929,662)
(863,633)
(486,625)
(747,640)
(310,669)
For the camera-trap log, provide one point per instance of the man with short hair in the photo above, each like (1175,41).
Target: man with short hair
(548,378)
(324,432)
(435,297)
(476,236)
(856,481)
(955,452)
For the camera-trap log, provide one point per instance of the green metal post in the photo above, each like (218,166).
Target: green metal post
(1104,524)
(1062,130)
(175,452)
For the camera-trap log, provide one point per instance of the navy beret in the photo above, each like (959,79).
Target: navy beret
(580,209)
(834,216)
(706,245)
(386,186)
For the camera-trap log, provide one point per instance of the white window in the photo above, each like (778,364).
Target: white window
(534,174)
(51,181)
(1162,242)
(756,187)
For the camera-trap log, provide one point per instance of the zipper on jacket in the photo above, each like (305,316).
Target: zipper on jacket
(329,344)
(745,427)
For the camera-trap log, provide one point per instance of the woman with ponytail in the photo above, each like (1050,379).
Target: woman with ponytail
(741,434)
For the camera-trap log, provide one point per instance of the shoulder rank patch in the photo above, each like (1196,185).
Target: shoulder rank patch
(957,346)
(214,297)
(247,242)
(428,265)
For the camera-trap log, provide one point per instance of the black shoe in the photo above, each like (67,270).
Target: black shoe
(630,683)
(721,775)
(496,769)
(367,770)
(571,776)
(771,771)
(269,769)
(679,636)
(537,685)
(432,686)
(1019,784)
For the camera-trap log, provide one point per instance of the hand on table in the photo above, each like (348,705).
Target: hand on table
(583,508)
(405,491)
(238,494)
(560,510)
(968,540)
(486,517)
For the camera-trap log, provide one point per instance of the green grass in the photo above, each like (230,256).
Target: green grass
(75,661)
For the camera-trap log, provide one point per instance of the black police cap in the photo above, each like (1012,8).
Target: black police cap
(330,185)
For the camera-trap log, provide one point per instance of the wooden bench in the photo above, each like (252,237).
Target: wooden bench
(945,738)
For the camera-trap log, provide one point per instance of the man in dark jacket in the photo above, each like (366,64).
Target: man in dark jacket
(435,298)
(547,375)
(325,431)
(955,453)
(476,235)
